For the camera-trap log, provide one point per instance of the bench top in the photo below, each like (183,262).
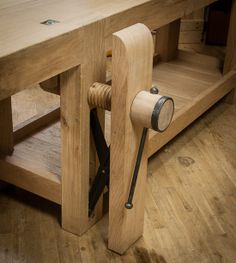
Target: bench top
(20,20)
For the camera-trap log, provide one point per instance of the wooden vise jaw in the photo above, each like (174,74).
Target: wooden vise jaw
(133,110)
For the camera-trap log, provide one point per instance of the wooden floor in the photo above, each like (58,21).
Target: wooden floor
(190,205)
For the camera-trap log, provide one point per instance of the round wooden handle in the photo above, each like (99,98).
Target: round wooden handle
(152,111)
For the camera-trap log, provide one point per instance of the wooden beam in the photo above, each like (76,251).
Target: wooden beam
(39,182)
(230,57)
(167,40)
(6,127)
(132,72)
(76,150)
(48,56)
(35,123)
(39,63)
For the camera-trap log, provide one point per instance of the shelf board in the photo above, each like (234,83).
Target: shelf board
(35,164)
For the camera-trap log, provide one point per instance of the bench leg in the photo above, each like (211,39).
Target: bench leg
(6,131)
(6,127)
(167,40)
(230,57)
(77,151)
(132,72)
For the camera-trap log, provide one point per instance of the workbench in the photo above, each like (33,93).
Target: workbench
(69,39)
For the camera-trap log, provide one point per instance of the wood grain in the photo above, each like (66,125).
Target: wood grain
(193,110)
(35,51)
(76,151)
(6,127)
(132,72)
(190,205)
(167,40)
(230,56)
(24,175)
(36,123)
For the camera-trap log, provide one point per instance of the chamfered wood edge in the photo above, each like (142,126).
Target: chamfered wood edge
(132,56)
(42,183)
(34,124)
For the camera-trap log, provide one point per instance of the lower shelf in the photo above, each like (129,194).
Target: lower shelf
(194,82)
(35,164)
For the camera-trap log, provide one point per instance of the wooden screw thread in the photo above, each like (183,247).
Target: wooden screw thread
(100,96)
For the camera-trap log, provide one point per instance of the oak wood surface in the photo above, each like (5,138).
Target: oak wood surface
(6,127)
(77,150)
(191,79)
(35,50)
(21,28)
(132,73)
(230,56)
(167,40)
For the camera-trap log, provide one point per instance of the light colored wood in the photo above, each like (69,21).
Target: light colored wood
(24,175)
(99,95)
(35,50)
(32,107)
(6,127)
(190,205)
(195,82)
(37,61)
(25,30)
(192,28)
(230,56)
(167,39)
(193,110)
(35,163)
(144,106)
(35,123)
(132,72)
(75,135)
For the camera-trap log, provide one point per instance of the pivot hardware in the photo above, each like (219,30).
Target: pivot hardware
(148,110)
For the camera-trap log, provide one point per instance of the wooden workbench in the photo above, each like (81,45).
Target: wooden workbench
(74,47)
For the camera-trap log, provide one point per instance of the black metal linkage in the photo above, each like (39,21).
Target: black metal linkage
(103,151)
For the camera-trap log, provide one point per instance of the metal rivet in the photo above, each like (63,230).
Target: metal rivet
(154,90)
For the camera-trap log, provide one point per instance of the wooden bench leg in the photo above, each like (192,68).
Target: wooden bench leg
(230,57)
(167,40)
(6,127)
(132,72)
(6,131)
(76,150)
